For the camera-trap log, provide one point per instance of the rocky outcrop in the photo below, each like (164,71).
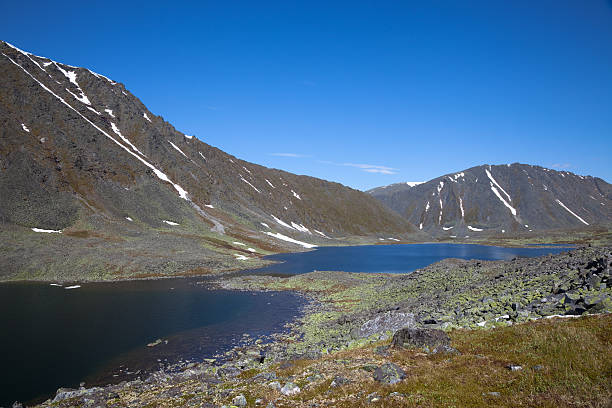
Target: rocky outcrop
(388,321)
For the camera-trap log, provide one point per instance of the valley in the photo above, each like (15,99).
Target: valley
(159,270)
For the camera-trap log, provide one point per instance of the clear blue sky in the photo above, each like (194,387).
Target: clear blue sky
(414,90)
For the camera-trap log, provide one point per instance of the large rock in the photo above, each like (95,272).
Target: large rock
(389,373)
(415,337)
(388,321)
(239,401)
(290,389)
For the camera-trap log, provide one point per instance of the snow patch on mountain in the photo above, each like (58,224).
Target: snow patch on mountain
(281,222)
(571,212)
(118,132)
(182,193)
(177,148)
(289,239)
(48,231)
(254,188)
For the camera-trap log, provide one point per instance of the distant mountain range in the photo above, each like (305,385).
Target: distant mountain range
(501,199)
(80,154)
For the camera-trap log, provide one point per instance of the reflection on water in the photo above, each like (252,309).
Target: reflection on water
(53,337)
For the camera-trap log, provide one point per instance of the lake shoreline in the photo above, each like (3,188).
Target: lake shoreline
(262,262)
(344,303)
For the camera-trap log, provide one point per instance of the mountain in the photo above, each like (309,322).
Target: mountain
(501,199)
(132,196)
(392,188)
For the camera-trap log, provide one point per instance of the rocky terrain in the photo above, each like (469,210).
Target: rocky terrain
(504,199)
(468,333)
(84,163)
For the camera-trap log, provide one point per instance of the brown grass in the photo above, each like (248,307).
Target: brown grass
(576,356)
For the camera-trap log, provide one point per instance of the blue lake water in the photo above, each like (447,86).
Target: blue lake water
(391,258)
(52,337)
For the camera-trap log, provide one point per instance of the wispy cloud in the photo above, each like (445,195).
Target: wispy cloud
(561,166)
(288,155)
(370,168)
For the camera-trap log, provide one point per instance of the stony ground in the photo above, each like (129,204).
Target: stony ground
(504,351)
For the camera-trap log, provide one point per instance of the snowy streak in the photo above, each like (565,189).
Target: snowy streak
(571,212)
(300,228)
(47,230)
(322,234)
(289,239)
(512,209)
(497,184)
(118,132)
(176,147)
(254,188)
(281,222)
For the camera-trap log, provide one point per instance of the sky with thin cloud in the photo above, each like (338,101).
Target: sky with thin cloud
(365,94)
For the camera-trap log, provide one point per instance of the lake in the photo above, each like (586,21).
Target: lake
(401,258)
(54,337)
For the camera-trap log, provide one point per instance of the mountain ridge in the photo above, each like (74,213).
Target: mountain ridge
(80,152)
(501,199)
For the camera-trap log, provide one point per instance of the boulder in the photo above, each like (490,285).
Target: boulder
(389,373)
(290,389)
(415,337)
(239,401)
(387,321)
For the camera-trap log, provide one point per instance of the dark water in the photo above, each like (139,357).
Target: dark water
(391,258)
(52,337)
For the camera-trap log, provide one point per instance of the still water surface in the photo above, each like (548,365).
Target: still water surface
(391,258)
(52,337)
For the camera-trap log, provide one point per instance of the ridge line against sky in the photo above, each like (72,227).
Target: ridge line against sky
(359,94)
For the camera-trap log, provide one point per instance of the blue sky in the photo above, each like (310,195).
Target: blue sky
(362,93)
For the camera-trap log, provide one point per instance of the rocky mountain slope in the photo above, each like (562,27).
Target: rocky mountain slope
(501,199)
(83,157)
